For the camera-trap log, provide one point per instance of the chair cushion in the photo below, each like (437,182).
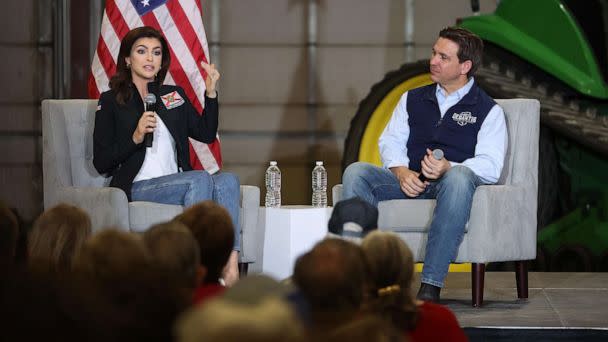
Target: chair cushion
(406,215)
(142,215)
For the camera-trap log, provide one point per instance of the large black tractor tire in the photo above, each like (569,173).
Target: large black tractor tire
(368,105)
(548,173)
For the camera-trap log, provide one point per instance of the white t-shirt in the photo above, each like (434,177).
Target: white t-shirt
(161,159)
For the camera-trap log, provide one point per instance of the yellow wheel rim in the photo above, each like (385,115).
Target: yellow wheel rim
(368,150)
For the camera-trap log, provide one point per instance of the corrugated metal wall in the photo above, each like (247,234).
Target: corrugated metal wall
(266,111)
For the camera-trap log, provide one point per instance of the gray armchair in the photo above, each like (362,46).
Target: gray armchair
(69,177)
(502,224)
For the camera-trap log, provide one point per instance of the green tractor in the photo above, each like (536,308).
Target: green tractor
(555,51)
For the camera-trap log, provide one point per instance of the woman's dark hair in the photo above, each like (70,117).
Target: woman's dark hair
(121,81)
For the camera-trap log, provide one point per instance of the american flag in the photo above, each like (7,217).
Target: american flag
(181,22)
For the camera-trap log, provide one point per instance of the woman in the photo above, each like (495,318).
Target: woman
(391,267)
(161,173)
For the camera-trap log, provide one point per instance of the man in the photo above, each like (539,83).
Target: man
(211,225)
(453,115)
(332,278)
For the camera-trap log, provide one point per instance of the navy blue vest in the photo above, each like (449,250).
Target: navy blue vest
(455,134)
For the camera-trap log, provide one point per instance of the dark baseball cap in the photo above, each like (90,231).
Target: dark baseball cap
(354,210)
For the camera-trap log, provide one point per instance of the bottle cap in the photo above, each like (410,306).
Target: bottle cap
(273,163)
(319,162)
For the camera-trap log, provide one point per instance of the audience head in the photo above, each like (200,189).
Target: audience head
(146,301)
(368,328)
(57,235)
(332,277)
(391,267)
(271,319)
(353,218)
(174,250)
(9,234)
(254,288)
(212,228)
(38,305)
(112,255)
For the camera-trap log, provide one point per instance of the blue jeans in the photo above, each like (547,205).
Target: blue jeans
(190,187)
(454,193)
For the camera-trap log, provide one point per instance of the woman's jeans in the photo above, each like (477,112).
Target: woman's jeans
(190,187)
(454,193)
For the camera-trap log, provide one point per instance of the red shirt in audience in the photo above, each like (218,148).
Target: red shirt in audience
(206,291)
(436,323)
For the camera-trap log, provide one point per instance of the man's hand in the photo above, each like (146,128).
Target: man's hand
(212,77)
(408,180)
(433,168)
(146,124)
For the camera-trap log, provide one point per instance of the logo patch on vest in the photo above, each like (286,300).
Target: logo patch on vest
(172,100)
(464,118)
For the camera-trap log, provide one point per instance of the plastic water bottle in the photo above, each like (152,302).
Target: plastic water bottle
(319,186)
(273,186)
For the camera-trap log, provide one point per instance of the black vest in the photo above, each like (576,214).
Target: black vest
(455,133)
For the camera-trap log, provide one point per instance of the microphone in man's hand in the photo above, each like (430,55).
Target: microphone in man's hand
(438,155)
(150,104)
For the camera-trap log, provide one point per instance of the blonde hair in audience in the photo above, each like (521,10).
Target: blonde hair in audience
(391,267)
(112,253)
(226,320)
(57,235)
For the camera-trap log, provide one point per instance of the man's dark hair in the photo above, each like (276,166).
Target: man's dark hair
(470,46)
(175,251)
(332,276)
(212,228)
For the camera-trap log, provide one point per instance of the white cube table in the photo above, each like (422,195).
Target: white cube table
(291,231)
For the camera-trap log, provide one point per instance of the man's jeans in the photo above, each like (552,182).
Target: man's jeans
(190,187)
(454,193)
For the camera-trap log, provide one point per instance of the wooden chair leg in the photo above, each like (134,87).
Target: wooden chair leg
(477,277)
(521,278)
(243,268)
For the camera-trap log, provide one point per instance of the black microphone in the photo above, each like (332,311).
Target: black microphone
(150,105)
(437,154)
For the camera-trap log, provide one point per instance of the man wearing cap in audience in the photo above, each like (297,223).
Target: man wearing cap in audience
(352,219)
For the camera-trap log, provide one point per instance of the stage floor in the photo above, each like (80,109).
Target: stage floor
(560,300)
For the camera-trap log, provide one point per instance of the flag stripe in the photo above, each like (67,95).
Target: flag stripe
(129,14)
(105,59)
(108,32)
(189,36)
(194,13)
(183,53)
(115,18)
(176,69)
(92,87)
(101,78)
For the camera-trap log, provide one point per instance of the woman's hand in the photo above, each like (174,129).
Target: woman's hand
(212,77)
(146,124)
